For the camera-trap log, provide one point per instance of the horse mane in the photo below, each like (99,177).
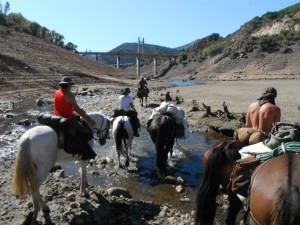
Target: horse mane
(231,148)
(168,114)
(208,190)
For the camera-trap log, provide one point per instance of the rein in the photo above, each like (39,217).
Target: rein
(106,128)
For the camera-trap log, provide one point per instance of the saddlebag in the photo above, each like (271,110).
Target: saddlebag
(241,175)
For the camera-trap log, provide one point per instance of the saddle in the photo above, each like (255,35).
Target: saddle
(76,135)
(133,117)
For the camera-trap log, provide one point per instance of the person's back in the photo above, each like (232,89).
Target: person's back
(264,113)
(126,102)
(142,84)
(252,120)
(269,114)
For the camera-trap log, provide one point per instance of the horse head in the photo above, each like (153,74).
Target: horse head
(101,128)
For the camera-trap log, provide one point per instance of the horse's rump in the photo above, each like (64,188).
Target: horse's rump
(162,130)
(274,195)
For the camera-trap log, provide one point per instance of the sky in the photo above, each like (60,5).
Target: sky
(101,25)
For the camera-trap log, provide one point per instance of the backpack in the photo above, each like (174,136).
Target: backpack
(283,132)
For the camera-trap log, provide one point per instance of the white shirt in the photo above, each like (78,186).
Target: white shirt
(125,101)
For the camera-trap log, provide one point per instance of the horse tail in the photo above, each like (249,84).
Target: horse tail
(287,207)
(208,190)
(120,134)
(160,145)
(24,171)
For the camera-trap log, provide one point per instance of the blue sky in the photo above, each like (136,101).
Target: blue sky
(101,25)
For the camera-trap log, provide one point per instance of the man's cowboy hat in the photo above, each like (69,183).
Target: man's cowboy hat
(66,80)
(270,92)
(126,91)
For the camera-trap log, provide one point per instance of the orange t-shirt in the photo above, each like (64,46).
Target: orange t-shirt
(61,107)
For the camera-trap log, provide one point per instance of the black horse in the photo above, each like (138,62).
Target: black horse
(162,130)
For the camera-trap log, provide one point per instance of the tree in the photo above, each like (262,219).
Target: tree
(71,47)
(6,8)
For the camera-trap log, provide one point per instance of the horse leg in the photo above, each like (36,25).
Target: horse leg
(126,144)
(235,206)
(119,149)
(146,101)
(83,179)
(36,204)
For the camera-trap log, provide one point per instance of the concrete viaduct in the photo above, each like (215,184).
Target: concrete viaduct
(138,55)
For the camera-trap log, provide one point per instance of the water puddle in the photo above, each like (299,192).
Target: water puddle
(180,83)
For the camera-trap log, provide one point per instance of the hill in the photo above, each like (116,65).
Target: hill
(29,65)
(266,47)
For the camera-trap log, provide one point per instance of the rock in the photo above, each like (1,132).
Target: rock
(118,191)
(179,188)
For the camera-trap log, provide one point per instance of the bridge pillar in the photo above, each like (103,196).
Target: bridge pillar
(118,62)
(137,66)
(154,66)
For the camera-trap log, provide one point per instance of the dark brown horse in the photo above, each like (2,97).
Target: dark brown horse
(143,94)
(274,196)
(162,130)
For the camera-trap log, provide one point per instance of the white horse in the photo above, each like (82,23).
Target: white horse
(123,135)
(38,151)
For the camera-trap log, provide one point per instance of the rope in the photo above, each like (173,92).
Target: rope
(289,147)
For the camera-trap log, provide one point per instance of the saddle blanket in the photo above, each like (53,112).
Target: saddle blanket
(253,150)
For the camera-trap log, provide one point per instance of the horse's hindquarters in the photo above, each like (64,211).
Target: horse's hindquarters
(275,190)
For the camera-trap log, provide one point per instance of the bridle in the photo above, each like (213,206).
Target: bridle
(103,128)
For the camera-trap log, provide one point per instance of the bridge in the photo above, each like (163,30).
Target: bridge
(138,55)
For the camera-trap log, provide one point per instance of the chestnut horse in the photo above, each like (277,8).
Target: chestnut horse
(274,196)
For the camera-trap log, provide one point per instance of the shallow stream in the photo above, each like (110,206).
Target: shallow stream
(140,178)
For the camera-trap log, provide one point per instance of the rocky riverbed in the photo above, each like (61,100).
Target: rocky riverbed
(104,206)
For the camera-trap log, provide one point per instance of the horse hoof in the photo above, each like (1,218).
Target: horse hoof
(30,219)
(46,209)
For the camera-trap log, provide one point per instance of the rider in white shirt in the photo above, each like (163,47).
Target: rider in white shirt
(126,102)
